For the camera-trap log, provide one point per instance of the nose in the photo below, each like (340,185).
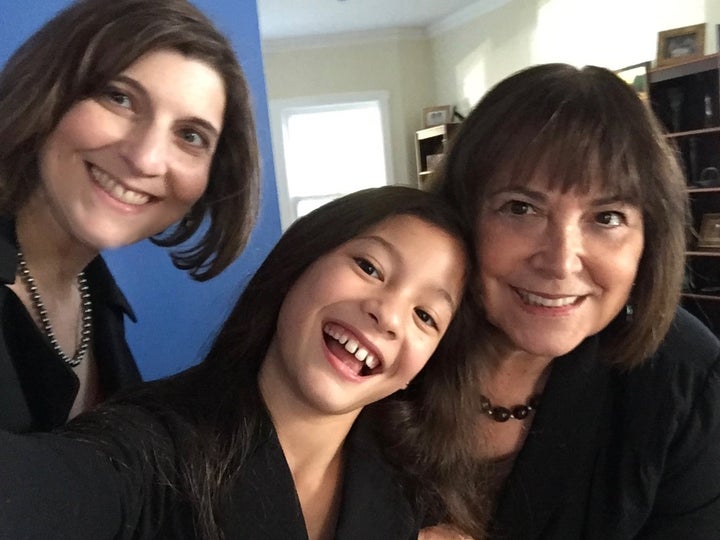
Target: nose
(386,314)
(145,149)
(561,250)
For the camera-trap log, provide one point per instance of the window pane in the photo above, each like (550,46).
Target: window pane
(334,149)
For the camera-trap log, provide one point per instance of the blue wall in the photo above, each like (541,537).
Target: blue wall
(177,316)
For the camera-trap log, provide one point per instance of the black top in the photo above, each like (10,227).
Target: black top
(118,485)
(613,455)
(37,389)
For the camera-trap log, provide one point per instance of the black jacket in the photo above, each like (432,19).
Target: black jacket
(119,485)
(37,389)
(615,456)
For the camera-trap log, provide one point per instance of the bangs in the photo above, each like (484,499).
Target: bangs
(572,145)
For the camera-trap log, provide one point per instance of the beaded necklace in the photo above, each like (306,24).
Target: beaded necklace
(86,307)
(503,414)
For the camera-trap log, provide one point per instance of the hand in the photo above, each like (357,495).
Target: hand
(442,532)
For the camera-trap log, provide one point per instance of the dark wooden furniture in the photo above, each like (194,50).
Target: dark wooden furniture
(686,98)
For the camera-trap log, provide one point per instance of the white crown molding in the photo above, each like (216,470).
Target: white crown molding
(343,39)
(459,18)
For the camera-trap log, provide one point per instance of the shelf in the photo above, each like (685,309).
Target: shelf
(435,131)
(682,69)
(695,296)
(430,146)
(704,131)
(703,253)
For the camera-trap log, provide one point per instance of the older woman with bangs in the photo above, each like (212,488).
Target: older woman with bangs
(587,404)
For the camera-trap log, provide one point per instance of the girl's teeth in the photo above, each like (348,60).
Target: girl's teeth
(353,347)
(371,362)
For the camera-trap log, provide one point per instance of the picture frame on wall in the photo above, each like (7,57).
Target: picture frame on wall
(434,116)
(709,236)
(636,76)
(680,44)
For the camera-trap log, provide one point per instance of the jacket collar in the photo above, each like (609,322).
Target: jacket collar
(97,271)
(8,251)
(565,426)
(265,504)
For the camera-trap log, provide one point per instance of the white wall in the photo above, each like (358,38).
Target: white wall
(471,57)
(399,64)
(462,57)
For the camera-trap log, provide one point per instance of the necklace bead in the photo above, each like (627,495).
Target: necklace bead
(85,307)
(503,414)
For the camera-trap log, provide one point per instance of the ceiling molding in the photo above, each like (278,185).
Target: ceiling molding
(343,39)
(459,18)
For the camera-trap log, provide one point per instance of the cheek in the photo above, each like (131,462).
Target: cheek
(418,356)
(191,183)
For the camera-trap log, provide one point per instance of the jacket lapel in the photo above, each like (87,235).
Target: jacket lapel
(373,501)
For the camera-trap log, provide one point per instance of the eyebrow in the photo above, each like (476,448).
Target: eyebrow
(394,251)
(139,88)
(541,196)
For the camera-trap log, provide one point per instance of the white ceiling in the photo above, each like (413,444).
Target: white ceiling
(302,18)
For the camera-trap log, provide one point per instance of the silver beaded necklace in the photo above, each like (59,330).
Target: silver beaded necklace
(86,307)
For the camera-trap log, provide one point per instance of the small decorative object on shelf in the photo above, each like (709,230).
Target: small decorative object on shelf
(636,76)
(430,146)
(680,44)
(709,178)
(709,236)
(434,116)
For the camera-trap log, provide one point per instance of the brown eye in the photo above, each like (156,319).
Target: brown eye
(193,138)
(119,98)
(610,219)
(367,267)
(518,208)
(425,317)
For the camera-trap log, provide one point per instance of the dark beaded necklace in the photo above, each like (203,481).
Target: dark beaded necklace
(503,414)
(86,307)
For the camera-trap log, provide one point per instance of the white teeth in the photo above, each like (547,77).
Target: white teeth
(371,362)
(112,187)
(352,346)
(536,300)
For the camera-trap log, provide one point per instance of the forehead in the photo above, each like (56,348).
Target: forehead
(402,230)
(554,178)
(184,84)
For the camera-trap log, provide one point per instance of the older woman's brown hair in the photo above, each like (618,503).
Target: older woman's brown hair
(581,126)
(75,55)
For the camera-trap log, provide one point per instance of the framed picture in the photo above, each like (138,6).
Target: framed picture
(637,77)
(680,44)
(434,116)
(709,231)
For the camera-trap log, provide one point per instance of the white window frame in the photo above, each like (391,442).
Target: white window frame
(282,109)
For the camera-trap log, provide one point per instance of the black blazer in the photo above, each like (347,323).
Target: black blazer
(615,456)
(119,486)
(37,389)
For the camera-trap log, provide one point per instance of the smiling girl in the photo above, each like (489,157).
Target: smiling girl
(119,121)
(265,438)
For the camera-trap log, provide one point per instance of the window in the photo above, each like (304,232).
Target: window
(327,147)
